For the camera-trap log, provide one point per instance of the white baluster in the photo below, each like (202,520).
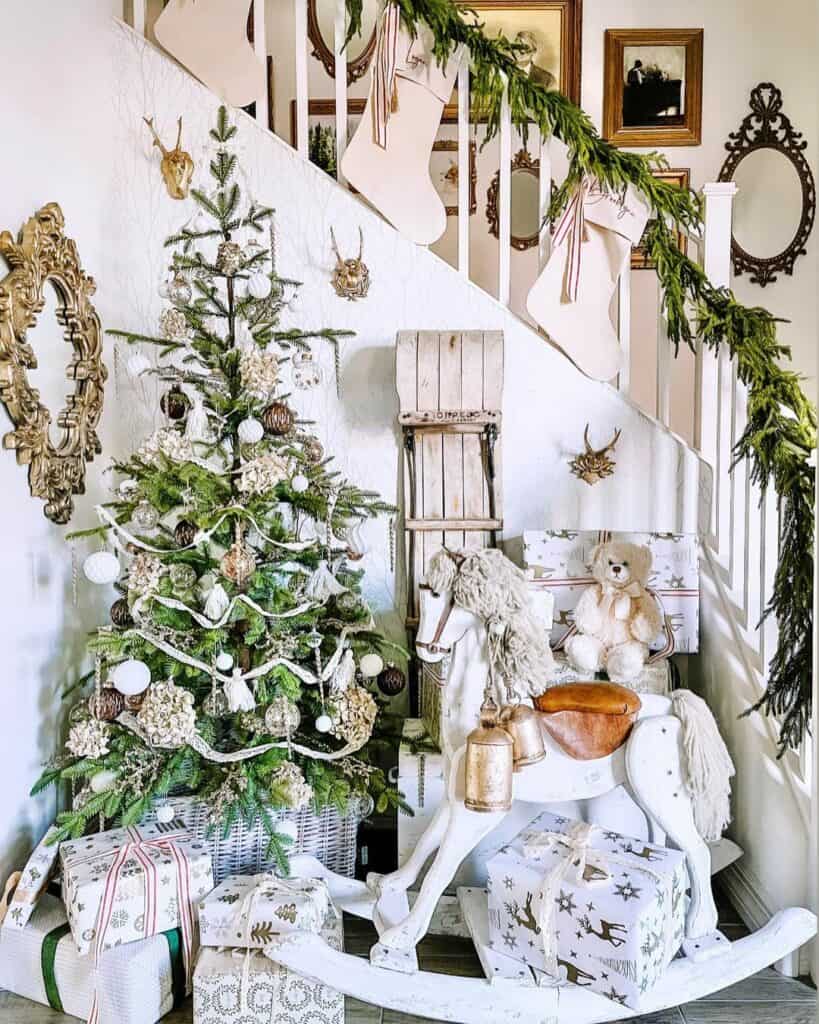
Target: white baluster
(464,166)
(341,85)
(717,261)
(624,326)
(302,87)
(544,201)
(505,202)
(260,46)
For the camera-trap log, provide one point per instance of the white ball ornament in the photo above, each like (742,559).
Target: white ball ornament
(371,665)
(102,567)
(258,285)
(102,781)
(299,483)
(131,677)
(224,661)
(324,723)
(164,814)
(289,829)
(250,431)
(137,364)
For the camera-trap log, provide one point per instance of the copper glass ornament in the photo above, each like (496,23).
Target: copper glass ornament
(489,764)
(278,419)
(523,725)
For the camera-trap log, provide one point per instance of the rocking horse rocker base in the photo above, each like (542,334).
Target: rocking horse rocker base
(653,764)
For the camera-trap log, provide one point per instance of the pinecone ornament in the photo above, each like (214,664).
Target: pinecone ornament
(278,419)
(228,258)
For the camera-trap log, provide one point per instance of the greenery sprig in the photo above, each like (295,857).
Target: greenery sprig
(781,428)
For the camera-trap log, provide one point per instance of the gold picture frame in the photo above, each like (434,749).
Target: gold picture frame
(652,86)
(681,177)
(43,255)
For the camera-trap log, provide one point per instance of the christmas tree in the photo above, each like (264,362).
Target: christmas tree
(229,667)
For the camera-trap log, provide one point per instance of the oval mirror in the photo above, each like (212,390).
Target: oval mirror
(767,164)
(321,32)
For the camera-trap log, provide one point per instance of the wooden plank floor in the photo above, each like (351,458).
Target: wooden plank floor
(766,998)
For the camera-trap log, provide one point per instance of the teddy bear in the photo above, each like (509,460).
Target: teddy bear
(616,618)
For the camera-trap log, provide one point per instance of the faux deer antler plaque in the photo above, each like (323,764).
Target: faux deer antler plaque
(594,465)
(43,255)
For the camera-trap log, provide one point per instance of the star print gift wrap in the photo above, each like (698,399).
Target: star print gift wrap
(238,986)
(246,911)
(128,883)
(133,984)
(575,900)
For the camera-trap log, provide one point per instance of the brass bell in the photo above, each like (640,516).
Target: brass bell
(489,764)
(523,725)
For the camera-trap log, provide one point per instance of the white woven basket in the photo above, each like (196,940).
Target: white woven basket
(328,836)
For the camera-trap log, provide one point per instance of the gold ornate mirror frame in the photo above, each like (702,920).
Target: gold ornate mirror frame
(42,254)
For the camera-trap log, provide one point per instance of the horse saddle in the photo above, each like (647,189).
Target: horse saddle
(588,720)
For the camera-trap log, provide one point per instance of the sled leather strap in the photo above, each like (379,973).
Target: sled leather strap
(586,866)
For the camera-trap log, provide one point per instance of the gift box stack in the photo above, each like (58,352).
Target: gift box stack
(122,946)
(588,905)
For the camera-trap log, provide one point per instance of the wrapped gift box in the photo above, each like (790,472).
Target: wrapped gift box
(421,780)
(248,910)
(614,930)
(135,984)
(33,881)
(655,677)
(559,561)
(86,863)
(273,992)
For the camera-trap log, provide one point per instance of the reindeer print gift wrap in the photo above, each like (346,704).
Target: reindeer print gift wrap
(129,883)
(605,911)
(246,911)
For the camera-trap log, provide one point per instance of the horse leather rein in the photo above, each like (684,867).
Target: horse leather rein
(434,647)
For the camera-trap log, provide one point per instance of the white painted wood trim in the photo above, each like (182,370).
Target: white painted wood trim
(260,46)
(505,202)
(463,166)
(340,54)
(302,86)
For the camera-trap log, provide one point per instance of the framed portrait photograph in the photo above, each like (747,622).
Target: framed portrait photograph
(652,88)
(679,176)
(443,169)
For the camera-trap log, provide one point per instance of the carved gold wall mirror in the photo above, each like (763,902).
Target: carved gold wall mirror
(766,160)
(525,202)
(321,32)
(41,258)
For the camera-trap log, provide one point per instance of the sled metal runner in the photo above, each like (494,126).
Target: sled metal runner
(509,999)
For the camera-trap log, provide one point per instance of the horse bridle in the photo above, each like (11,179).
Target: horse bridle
(434,647)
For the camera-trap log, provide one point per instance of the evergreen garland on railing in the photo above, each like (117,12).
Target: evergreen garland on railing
(781,428)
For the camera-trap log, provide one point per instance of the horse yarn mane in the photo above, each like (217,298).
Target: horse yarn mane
(487,584)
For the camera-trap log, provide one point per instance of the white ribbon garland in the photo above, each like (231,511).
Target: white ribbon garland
(202,535)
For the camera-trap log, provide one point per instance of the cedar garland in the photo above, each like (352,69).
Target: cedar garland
(781,428)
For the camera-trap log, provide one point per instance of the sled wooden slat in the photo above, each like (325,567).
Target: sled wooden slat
(450,387)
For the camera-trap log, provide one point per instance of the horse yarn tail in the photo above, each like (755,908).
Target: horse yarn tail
(708,764)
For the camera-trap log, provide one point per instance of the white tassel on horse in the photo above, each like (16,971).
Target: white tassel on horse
(708,765)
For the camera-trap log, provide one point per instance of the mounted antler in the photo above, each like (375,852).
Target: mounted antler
(177,165)
(594,464)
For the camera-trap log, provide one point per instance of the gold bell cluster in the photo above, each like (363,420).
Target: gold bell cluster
(504,742)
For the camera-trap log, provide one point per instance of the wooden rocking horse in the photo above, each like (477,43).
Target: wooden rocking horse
(666,751)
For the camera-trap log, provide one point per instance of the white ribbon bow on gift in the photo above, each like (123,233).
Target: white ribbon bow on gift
(269,885)
(589,867)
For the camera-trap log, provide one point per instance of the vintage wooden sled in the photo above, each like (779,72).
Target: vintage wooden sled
(515,994)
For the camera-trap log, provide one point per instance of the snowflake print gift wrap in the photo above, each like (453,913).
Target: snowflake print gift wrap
(140,903)
(272,993)
(603,910)
(246,911)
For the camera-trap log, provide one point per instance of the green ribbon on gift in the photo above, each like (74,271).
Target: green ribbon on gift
(48,955)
